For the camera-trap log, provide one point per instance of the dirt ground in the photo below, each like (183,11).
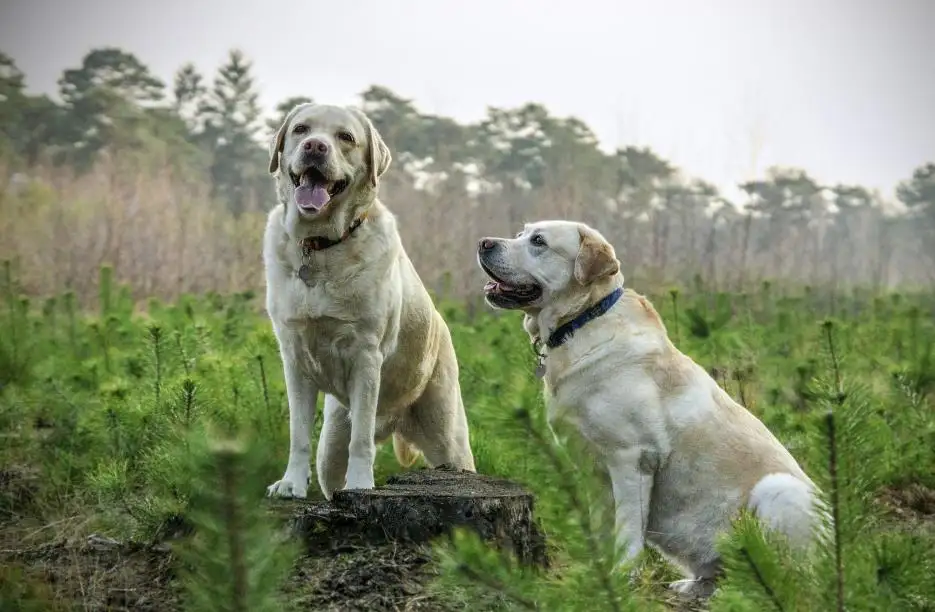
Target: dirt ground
(119,576)
(101,574)
(341,571)
(347,565)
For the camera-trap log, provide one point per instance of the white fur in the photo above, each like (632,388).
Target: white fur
(780,500)
(363,329)
(682,456)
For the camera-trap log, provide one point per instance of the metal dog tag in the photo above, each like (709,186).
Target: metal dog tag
(305,273)
(540,369)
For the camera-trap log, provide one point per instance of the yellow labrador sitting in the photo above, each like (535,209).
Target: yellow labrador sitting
(350,313)
(682,456)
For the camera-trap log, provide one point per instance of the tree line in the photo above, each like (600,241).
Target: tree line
(514,165)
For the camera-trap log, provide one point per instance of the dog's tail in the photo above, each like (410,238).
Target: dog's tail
(406,454)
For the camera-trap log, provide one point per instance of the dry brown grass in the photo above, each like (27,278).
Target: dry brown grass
(164,235)
(161,232)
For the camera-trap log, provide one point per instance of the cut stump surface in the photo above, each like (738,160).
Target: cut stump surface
(421,505)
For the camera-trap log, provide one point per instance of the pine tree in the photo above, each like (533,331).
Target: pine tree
(105,98)
(237,558)
(486,579)
(29,125)
(188,93)
(856,565)
(232,130)
(282,109)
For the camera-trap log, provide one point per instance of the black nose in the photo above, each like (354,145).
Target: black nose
(316,146)
(486,244)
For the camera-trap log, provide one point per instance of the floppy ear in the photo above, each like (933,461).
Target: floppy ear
(596,258)
(378,154)
(276,143)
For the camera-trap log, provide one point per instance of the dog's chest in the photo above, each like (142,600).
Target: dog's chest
(587,396)
(327,352)
(297,300)
(571,407)
(331,323)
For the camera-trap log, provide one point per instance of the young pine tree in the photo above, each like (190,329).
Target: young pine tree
(859,563)
(237,558)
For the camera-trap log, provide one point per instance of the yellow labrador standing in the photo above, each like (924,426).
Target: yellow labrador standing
(683,457)
(350,313)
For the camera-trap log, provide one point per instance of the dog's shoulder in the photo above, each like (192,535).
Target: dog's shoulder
(381,222)
(274,236)
(648,348)
(641,309)
(274,218)
(274,255)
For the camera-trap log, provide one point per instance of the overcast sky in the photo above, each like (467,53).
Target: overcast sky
(724,88)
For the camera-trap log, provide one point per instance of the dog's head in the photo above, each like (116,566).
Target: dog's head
(549,263)
(325,156)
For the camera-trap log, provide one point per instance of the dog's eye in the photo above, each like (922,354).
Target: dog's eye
(346,137)
(537,240)
(300,129)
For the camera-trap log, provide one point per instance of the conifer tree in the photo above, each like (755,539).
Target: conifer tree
(237,558)
(232,125)
(282,109)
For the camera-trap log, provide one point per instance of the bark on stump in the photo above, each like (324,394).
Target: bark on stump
(418,506)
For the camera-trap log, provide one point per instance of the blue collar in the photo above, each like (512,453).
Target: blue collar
(561,335)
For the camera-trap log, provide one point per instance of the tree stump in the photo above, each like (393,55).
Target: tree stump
(418,506)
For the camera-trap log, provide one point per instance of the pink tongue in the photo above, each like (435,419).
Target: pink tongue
(311,196)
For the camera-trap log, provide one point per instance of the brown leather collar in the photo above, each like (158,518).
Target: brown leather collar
(320,243)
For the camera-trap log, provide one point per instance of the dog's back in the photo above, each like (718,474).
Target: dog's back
(722,456)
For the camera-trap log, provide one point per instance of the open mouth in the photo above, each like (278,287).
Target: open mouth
(503,292)
(313,191)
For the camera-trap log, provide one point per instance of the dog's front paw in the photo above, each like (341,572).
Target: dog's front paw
(359,477)
(289,486)
(698,588)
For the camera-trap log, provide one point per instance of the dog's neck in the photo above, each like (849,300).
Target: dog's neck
(310,244)
(319,234)
(553,316)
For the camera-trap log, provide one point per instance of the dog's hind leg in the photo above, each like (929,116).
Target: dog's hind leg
(436,423)
(332,455)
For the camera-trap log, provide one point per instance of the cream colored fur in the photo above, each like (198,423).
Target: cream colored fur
(362,329)
(682,456)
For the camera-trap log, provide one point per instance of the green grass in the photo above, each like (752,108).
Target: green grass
(105,415)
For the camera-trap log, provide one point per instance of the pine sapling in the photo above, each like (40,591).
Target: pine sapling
(760,569)
(238,557)
(263,385)
(838,400)
(9,296)
(155,337)
(105,290)
(70,311)
(835,510)
(188,394)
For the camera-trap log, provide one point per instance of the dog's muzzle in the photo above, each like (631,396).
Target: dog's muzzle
(498,291)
